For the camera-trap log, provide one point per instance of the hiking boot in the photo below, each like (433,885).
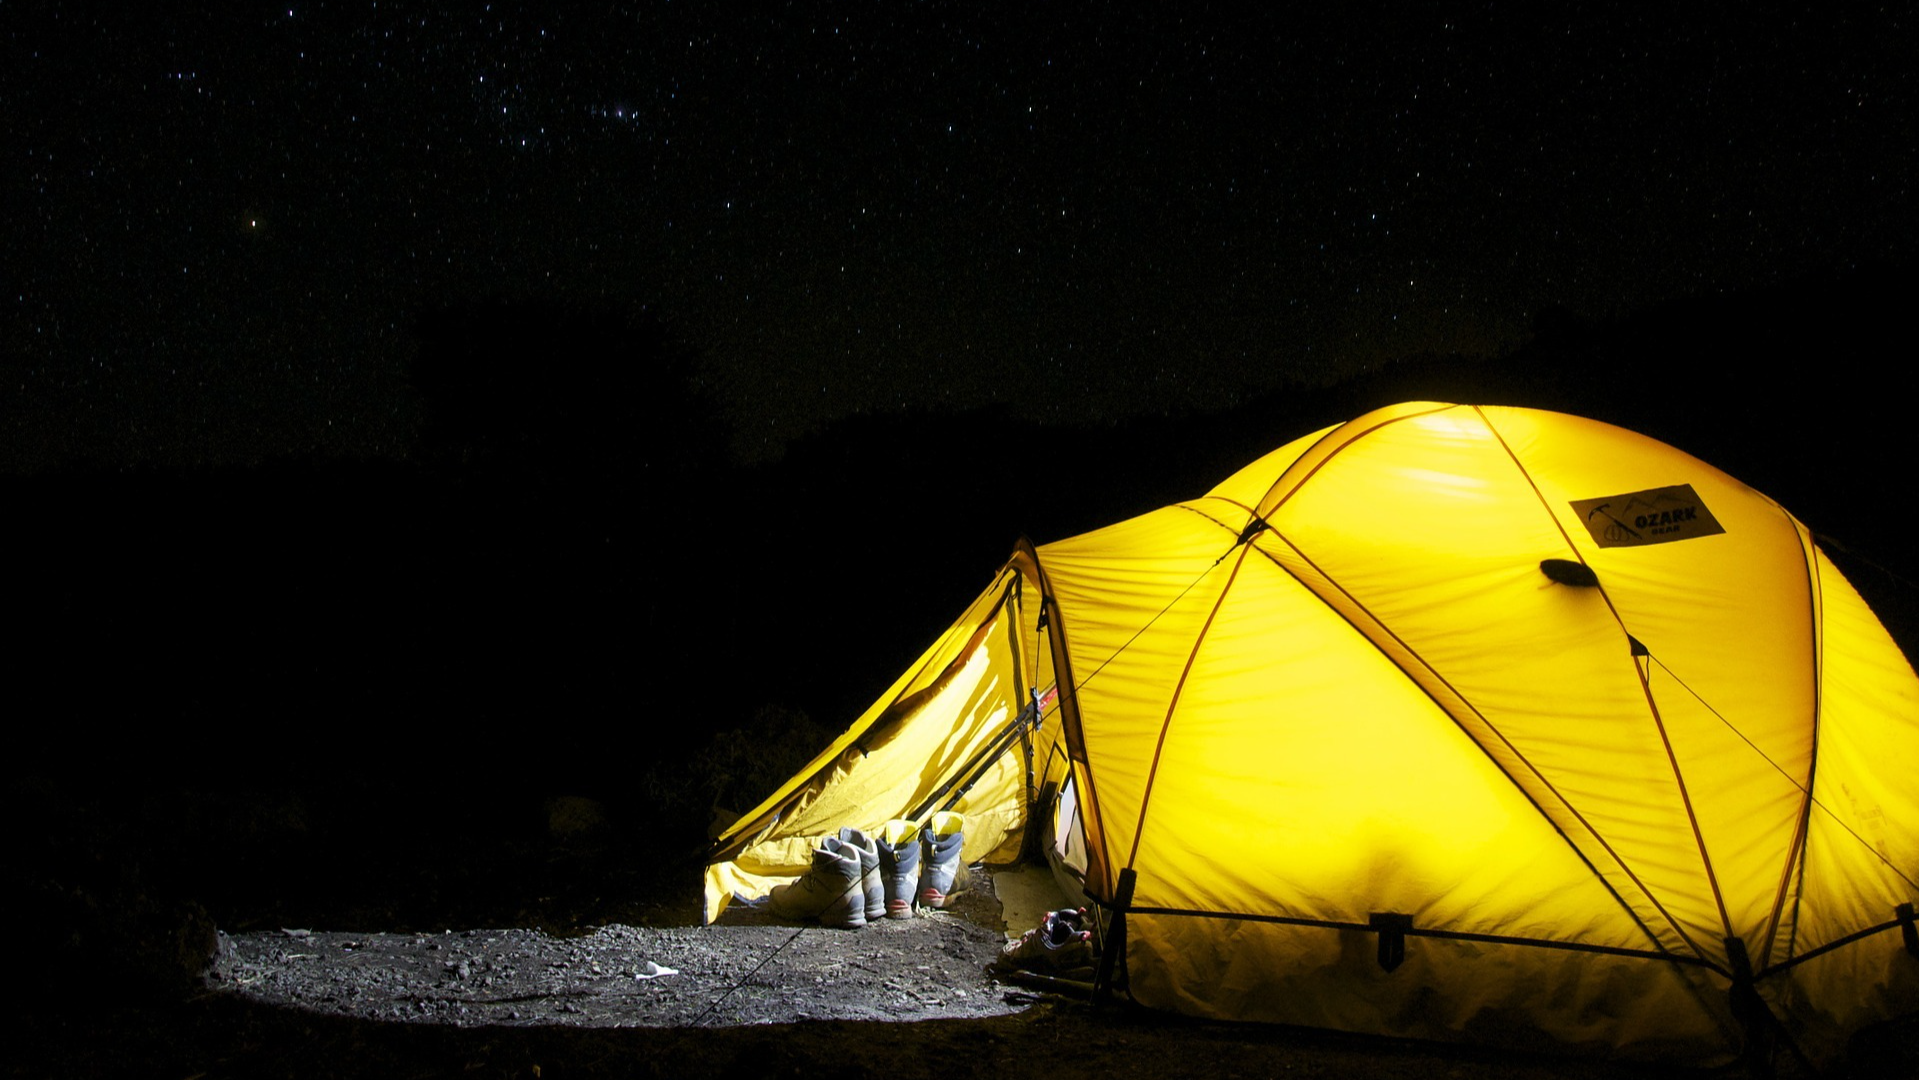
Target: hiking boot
(873,894)
(899,848)
(830,892)
(940,844)
(1060,947)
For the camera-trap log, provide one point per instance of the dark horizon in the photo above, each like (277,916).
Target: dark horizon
(537,534)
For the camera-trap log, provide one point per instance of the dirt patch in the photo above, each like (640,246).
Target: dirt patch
(747,969)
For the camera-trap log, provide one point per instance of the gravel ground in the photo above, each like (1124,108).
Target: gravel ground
(747,969)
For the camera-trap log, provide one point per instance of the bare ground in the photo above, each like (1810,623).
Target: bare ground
(331,1004)
(745,970)
(750,996)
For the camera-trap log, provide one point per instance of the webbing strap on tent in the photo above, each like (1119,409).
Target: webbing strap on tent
(1762,1031)
(1393,927)
(1253,528)
(1113,942)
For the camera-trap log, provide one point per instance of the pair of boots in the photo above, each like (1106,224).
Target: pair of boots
(921,863)
(1061,946)
(856,878)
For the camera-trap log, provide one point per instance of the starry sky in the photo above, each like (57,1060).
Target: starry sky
(224,230)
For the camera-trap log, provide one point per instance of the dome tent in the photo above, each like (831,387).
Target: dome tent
(1450,722)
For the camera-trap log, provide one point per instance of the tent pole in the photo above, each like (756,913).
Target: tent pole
(976,768)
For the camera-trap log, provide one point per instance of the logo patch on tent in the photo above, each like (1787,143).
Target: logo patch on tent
(1653,516)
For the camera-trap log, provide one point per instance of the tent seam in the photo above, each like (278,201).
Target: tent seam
(1313,470)
(1072,727)
(1645,687)
(1817,609)
(1172,705)
(1685,793)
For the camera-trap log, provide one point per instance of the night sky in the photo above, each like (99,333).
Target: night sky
(224,231)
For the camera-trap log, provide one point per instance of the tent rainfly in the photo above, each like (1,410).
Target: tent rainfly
(1452,722)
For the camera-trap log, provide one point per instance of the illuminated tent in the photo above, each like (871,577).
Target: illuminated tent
(1449,722)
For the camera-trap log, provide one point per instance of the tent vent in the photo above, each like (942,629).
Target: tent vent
(1568,572)
(1906,928)
(1393,928)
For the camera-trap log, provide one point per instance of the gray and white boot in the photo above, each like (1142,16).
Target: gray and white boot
(872,892)
(940,844)
(899,847)
(830,892)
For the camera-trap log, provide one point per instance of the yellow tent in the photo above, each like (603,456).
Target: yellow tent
(1449,722)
